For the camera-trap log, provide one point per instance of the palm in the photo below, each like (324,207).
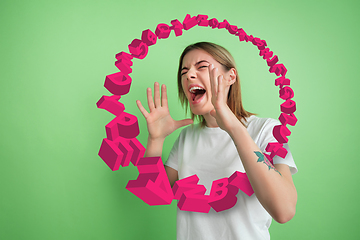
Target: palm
(157,119)
(159,122)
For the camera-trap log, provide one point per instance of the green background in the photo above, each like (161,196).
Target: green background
(54,59)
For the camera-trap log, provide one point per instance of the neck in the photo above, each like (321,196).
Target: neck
(210,121)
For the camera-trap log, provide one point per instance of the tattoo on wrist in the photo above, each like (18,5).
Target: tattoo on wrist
(262,158)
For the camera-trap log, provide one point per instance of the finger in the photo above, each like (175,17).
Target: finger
(220,86)
(213,113)
(157,94)
(182,123)
(211,70)
(142,109)
(215,79)
(164,101)
(150,100)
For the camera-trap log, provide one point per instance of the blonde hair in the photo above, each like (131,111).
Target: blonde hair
(222,56)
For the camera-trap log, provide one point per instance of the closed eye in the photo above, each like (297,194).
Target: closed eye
(205,66)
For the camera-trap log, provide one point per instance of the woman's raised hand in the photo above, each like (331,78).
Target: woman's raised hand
(221,112)
(159,122)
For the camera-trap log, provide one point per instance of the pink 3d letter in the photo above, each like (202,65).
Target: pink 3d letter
(132,150)
(278,69)
(162,30)
(191,195)
(189,22)
(177,27)
(138,49)
(138,152)
(128,125)
(124,125)
(202,20)
(118,83)
(121,152)
(288,119)
(289,106)
(111,104)
(223,24)
(124,62)
(152,184)
(148,37)
(266,53)
(271,62)
(241,181)
(286,93)
(232,29)
(276,149)
(112,129)
(242,34)
(280,132)
(111,154)
(282,81)
(249,38)
(222,195)
(213,23)
(126,149)
(259,43)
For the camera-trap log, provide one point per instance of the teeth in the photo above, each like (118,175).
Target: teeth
(192,90)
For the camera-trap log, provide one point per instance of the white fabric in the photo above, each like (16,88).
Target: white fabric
(211,154)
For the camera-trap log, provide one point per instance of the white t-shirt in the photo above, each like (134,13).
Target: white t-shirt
(211,154)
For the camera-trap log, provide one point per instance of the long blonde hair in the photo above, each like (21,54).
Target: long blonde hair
(222,56)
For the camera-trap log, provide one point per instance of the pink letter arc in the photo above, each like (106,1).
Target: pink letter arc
(121,146)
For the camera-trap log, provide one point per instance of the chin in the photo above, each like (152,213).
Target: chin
(200,111)
(202,108)
(196,112)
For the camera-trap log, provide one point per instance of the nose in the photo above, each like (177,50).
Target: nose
(191,74)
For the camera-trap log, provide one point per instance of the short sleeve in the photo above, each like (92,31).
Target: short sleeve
(172,160)
(267,136)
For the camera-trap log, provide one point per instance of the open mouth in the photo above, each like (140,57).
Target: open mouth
(197,93)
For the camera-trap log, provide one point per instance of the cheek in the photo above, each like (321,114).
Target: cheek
(184,85)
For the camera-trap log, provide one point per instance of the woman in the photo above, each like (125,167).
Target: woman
(226,140)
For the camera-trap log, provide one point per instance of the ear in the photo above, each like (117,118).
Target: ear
(232,76)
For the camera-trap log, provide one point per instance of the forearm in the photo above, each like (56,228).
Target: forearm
(273,188)
(154,147)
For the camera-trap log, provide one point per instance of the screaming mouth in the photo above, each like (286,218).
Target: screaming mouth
(196,93)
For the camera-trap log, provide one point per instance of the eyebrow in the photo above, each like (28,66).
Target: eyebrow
(195,64)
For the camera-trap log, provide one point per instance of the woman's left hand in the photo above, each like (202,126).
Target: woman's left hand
(222,113)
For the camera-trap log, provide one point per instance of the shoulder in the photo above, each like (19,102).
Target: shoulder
(257,124)
(186,133)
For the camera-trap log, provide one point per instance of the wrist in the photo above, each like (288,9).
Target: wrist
(155,139)
(236,128)
(154,147)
